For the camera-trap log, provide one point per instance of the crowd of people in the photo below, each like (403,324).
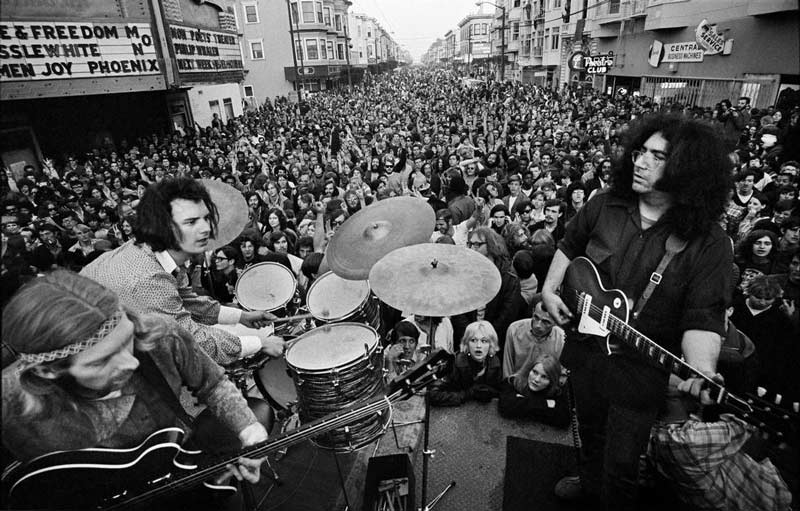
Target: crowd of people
(514,171)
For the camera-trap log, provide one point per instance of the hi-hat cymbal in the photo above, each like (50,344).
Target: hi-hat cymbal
(375,231)
(232,209)
(435,279)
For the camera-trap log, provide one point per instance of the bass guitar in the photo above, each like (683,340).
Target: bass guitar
(605,313)
(135,478)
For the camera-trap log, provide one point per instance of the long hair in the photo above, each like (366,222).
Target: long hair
(495,246)
(744,250)
(154,212)
(551,366)
(697,173)
(54,311)
(480,329)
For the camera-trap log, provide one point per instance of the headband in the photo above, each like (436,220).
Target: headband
(32,359)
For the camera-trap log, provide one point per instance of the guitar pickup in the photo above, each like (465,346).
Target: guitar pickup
(590,325)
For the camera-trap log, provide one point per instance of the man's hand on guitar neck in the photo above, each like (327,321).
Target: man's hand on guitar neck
(698,387)
(248,469)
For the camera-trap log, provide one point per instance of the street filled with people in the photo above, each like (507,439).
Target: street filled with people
(527,177)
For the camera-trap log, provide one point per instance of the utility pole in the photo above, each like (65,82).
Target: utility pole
(294,52)
(502,37)
(302,51)
(347,55)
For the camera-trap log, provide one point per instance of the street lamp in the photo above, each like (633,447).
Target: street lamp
(502,37)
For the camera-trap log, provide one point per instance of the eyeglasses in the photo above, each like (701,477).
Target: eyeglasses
(475,244)
(526,211)
(657,157)
(337,223)
(220,258)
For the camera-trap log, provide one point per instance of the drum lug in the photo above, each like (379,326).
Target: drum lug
(335,375)
(300,381)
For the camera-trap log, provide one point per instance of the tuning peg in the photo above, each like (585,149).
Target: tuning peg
(761,391)
(778,399)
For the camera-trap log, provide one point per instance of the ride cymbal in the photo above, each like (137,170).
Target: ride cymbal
(232,210)
(375,231)
(435,279)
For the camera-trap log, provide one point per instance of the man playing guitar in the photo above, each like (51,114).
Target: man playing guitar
(673,179)
(80,380)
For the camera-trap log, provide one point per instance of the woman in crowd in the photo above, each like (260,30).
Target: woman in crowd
(756,255)
(534,392)
(476,372)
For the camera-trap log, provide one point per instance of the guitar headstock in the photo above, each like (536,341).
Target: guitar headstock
(777,422)
(422,374)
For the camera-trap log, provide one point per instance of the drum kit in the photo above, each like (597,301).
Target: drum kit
(334,361)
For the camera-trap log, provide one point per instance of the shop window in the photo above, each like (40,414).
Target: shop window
(214,107)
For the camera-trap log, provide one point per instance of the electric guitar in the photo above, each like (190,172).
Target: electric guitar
(133,478)
(604,313)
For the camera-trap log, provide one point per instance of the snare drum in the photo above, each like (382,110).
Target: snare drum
(332,299)
(337,367)
(265,287)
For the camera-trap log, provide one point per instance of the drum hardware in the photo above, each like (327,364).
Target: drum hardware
(456,280)
(266,286)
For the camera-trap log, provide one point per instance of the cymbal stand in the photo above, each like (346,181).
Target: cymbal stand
(427,453)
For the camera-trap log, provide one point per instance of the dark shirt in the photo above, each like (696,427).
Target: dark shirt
(533,405)
(466,381)
(691,295)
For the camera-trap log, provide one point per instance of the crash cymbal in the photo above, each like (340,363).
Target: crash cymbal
(375,231)
(232,210)
(435,279)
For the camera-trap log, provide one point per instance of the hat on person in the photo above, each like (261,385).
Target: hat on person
(514,177)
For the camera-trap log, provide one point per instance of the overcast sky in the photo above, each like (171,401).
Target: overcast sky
(417,23)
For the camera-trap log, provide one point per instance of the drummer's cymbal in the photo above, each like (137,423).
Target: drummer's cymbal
(435,279)
(375,231)
(232,209)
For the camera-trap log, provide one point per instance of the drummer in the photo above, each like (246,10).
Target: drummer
(176,220)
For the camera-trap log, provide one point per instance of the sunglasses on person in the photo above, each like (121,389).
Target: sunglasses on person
(475,244)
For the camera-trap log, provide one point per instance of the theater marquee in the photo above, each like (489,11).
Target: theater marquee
(59,50)
(199,50)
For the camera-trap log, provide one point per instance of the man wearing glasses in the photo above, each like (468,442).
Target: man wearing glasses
(220,281)
(672,183)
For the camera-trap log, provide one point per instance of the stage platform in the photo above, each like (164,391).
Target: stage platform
(470,448)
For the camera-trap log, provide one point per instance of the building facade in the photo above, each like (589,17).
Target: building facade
(319,32)
(373,49)
(266,39)
(475,48)
(104,71)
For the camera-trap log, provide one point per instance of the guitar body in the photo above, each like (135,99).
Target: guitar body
(161,466)
(581,280)
(97,478)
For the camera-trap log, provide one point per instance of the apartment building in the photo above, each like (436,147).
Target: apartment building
(474,45)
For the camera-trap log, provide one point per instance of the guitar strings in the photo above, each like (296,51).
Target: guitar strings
(341,420)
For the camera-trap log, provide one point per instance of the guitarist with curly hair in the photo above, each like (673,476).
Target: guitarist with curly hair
(667,192)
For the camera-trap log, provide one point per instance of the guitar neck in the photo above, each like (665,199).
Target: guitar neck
(414,379)
(650,350)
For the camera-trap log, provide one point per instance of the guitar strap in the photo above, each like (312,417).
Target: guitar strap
(674,245)
(153,375)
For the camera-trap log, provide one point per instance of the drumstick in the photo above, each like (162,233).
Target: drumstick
(292,318)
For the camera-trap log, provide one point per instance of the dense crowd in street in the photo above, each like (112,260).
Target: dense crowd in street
(504,166)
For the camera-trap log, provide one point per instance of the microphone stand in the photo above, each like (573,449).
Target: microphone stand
(427,453)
